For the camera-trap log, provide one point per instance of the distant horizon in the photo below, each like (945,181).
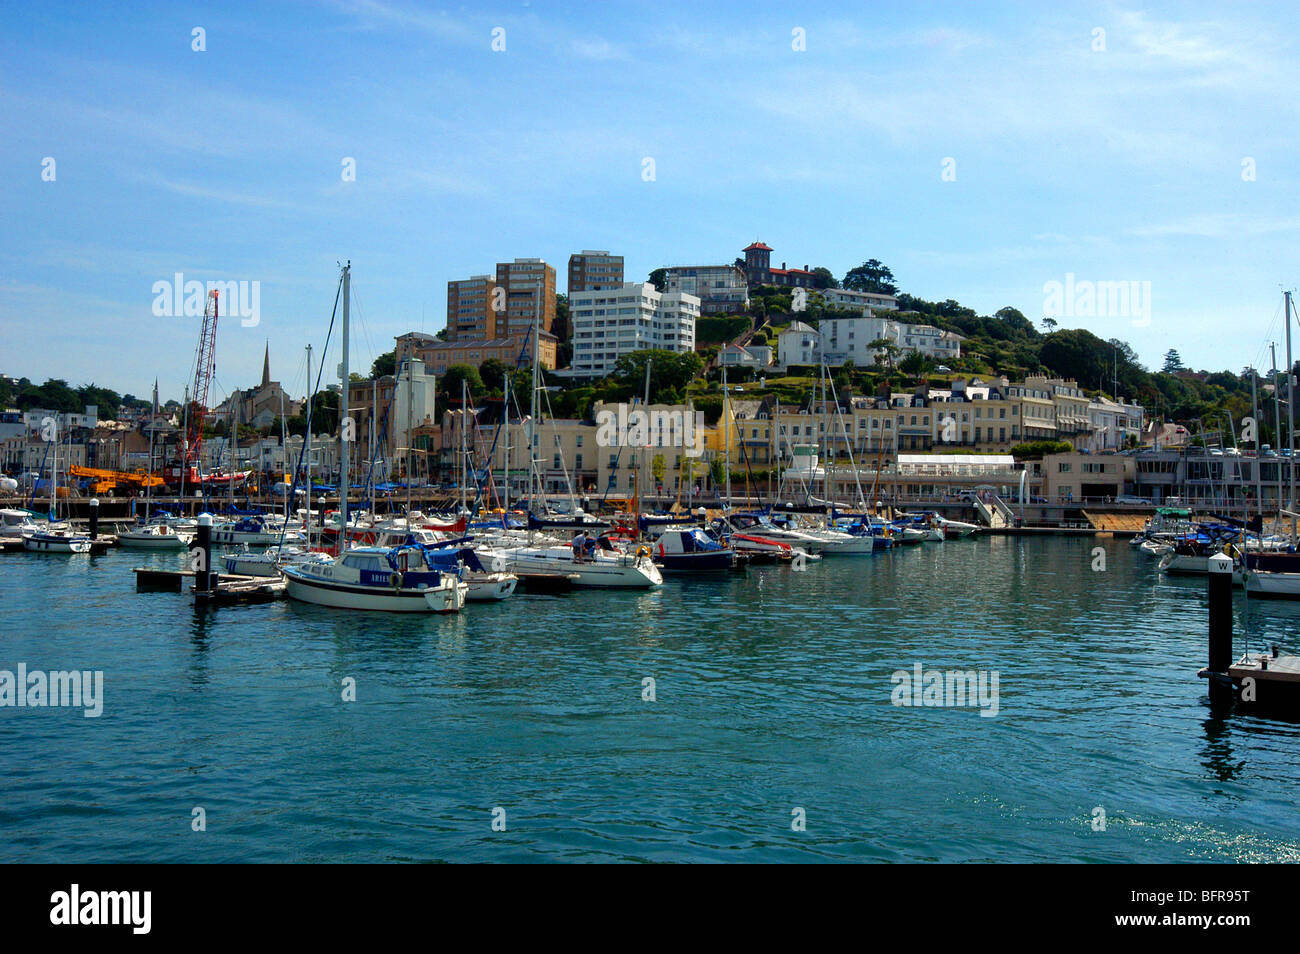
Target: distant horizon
(984,156)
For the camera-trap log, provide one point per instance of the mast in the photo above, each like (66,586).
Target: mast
(307,449)
(54,473)
(1290,412)
(284,454)
(153,430)
(233,445)
(726,434)
(1277,424)
(344,442)
(374,439)
(464,460)
(506,493)
(185,447)
(410,381)
(534,442)
(1254,403)
(649,437)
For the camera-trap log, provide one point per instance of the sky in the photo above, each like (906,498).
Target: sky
(983,151)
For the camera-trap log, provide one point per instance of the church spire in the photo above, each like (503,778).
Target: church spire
(266,365)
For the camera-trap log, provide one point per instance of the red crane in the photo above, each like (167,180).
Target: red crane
(204,362)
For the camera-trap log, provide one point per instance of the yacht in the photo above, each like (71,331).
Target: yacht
(406,579)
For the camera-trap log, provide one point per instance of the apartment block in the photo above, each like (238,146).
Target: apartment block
(470,308)
(609,324)
(528,286)
(595,271)
(721,289)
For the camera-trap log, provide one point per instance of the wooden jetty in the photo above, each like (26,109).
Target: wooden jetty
(234,590)
(1266,683)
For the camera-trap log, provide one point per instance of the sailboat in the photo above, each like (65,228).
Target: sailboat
(158,535)
(55,537)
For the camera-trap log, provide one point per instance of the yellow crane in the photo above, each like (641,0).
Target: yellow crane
(106,481)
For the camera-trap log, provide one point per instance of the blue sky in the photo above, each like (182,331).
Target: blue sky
(1122,164)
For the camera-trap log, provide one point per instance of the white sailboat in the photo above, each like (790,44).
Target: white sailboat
(55,537)
(159,535)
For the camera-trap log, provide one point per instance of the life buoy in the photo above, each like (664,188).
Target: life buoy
(643,551)
(395,580)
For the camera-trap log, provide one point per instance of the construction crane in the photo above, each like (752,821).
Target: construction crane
(106,481)
(205,358)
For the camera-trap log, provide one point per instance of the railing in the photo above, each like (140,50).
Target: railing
(1005,512)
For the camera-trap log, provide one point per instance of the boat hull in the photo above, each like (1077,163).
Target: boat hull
(42,543)
(170,541)
(448,598)
(490,587)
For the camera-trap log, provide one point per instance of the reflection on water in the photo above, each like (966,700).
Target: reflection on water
(772,692)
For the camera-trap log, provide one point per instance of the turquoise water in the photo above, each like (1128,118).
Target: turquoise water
(772,694)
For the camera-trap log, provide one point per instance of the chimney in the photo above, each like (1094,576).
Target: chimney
(783,266)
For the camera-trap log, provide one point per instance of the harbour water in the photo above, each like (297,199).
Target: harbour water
(772,694)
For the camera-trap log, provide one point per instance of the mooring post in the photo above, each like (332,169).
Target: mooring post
(94,518)
(202,578)
(1220,599)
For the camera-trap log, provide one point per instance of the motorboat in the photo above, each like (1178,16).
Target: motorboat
(691,550)
(599,565)
(405,579)
(155,536)
(56,540)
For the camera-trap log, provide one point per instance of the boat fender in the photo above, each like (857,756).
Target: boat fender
(395,580)
(661,551)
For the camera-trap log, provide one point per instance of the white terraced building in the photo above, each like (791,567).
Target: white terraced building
(864,303)
(609,324)
(841,340)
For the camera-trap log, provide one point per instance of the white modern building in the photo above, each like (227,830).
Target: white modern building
(849,340)
(930,341)
(609,324)
(721,289)
(751,356)
(864,303)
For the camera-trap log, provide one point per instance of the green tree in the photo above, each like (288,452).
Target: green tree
(915,363)
(718,472)
(1173,362)
(670,372)
(386,363)
(659,278)
(493,374)
(824,278)
(871,276)
(450,385)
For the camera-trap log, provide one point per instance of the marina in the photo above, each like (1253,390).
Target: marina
(690,434)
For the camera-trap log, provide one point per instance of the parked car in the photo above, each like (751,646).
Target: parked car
(1130,499)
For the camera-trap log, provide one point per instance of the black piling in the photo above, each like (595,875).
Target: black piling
(201,556)
(94,518)
(1220,629)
